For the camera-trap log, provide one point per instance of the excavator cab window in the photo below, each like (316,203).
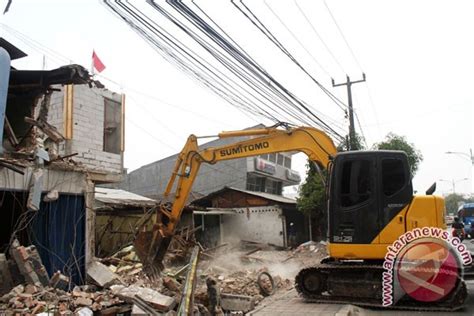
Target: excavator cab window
(393,176)
(355,182)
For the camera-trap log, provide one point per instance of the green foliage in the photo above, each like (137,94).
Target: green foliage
(344,145)
(312,197)
(453,200)
(396,142)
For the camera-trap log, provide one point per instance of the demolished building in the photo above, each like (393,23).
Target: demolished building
(63,135)
(118,215)
(231,214)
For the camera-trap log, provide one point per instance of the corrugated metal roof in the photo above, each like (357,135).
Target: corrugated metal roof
(121,197)
(268,196)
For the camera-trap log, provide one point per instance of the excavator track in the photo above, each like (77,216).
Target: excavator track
(361,285)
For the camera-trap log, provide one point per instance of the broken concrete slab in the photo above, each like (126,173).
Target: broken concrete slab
(84,312)
(101,275)
(236,303)
(35,190)
(137,311)
(159,301)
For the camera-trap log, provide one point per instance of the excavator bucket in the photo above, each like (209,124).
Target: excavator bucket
(151,246)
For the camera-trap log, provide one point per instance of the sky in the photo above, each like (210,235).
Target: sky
(417,56)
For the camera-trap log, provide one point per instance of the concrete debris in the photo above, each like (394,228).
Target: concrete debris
(32,299)
(231,282)
(158,301)
(84,312)
(35,190)
(51,196)
(237,303)
(137,311)
(101,275)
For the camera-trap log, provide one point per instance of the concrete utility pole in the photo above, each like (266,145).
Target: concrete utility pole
(453,182)
(349,83)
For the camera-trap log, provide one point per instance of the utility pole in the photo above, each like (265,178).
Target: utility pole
(349,83)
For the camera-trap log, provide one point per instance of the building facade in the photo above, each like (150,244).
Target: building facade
(229,215)
(63,135)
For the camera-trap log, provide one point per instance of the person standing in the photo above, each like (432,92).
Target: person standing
(292,235)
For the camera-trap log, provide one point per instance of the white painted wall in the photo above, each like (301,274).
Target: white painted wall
(259,224)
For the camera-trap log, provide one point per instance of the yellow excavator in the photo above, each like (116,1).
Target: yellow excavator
(370,205)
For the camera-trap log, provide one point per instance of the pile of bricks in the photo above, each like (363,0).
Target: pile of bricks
(28,289)
(32,299)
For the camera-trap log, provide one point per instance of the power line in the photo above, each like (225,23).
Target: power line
(361,131)
(147,24)
(319,36)
(248,64)
(190,58)
(296,38)
(342,34)
(262,28)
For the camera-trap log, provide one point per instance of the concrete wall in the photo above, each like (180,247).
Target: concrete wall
(60,180)
(259,224)
(88,127)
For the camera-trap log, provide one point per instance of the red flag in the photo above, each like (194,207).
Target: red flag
(97,63)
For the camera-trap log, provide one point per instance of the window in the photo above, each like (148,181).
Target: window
(280,159)
(112,126)
(264,156)
(272,157)
(255,183)
(274,187)
(355,182)
(287,162)
(393,176)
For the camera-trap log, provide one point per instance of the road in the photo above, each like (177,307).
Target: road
(290,304)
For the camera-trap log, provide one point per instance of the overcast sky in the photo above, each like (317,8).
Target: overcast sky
(417,55)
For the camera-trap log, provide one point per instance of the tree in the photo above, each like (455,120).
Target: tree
(453,200)
(344,145)
(312,199)
(396,142)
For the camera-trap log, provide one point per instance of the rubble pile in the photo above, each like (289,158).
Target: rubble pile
(241,279)
(126,264)
(32,299)
(30,290)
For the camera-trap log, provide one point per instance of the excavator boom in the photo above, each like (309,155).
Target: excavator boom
(151,246)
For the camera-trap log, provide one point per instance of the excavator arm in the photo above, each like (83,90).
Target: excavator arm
(314,143)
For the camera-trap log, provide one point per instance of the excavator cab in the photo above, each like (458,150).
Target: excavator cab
(367,190)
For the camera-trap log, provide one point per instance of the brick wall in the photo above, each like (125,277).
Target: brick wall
(88,127)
